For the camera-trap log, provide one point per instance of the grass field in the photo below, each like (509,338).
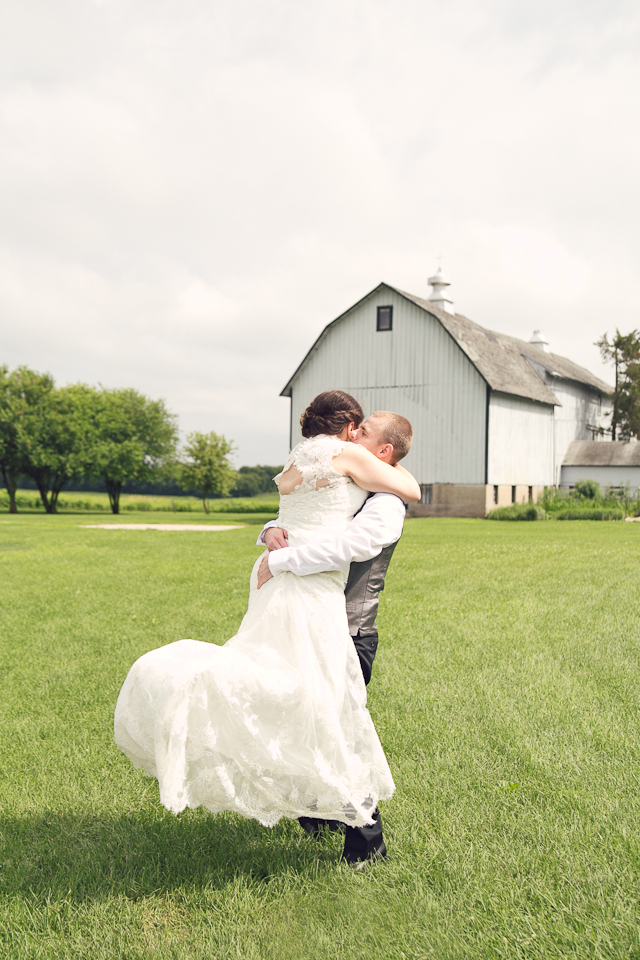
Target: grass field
(29,501)
(506,696)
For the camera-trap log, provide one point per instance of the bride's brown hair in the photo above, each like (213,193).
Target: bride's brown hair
(330,412)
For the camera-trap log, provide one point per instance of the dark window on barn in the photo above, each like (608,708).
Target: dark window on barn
(495,493)
(530,494)
(384,319)
(426,493)
(513,494)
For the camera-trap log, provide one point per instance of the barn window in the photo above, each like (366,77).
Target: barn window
(384,319)
(513,494)
(426,493)
(530,494)
(495,493)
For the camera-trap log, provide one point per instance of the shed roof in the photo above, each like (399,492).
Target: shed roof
(602,453)
(507,364)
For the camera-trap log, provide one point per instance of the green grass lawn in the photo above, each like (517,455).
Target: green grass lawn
(506,696)
(70,501)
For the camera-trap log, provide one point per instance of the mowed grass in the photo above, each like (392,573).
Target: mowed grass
(70,501)
(505,693)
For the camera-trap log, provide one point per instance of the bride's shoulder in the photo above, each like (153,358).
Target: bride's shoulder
(353,453)
(318,449)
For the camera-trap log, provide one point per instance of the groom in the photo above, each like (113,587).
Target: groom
(364,550)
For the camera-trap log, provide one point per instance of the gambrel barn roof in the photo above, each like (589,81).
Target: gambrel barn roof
(508,365)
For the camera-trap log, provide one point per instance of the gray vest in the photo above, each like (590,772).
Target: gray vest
(363,589)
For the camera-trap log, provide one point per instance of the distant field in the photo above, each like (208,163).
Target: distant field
(29,501)
(506,696)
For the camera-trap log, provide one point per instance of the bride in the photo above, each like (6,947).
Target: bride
(274,723)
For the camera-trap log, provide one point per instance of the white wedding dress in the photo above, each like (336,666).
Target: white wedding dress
(274,723)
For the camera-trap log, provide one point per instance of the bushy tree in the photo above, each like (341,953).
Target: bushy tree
(624,351)
(12,407)
(24,396)
(134,438)
(55,435)
(205,466)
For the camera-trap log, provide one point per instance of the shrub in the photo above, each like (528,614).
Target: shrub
(518,511)
(552,499)
(587,490)
(593,514)
(579,499)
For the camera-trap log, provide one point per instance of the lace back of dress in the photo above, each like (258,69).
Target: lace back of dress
(309,466)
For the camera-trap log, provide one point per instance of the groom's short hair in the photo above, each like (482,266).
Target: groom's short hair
(396,430)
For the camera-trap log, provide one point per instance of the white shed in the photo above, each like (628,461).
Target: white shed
(493,416)
(612,464)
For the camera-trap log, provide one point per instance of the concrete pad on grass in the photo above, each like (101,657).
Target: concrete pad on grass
(162,526)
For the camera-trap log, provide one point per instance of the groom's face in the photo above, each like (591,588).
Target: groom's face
(369,434)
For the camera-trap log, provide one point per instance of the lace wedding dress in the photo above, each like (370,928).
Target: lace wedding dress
(274,723)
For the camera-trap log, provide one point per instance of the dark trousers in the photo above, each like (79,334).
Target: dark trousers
(366,649)
(360,842)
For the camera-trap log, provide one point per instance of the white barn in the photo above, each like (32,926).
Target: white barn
(493,416)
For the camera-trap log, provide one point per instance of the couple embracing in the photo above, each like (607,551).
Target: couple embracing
(274,723)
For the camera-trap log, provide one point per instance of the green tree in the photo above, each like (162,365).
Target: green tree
(55,439)
(206,467)
(134,438)
(9,450)
(624,351)
(253,480)
(22,392)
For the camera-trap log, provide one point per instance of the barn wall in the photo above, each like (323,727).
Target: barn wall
(581,414)
(415,369)
(520,441)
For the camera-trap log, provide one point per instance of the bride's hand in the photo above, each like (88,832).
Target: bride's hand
(264,574)
(276,538)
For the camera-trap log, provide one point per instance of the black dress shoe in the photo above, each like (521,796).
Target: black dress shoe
(313,827)
(335,825)
(361,863)
(310,826)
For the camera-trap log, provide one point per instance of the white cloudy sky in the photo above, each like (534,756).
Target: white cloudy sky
(191,189)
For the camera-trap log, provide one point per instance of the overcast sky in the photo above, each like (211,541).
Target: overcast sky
(191,189)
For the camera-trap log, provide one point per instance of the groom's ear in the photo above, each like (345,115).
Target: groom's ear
(386,452)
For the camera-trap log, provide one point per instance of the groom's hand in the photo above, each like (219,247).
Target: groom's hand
(276,538)
(264,573)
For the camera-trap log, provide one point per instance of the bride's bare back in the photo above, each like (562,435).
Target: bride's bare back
(291,479)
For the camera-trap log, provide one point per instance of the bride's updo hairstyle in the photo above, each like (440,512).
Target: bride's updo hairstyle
(330,412)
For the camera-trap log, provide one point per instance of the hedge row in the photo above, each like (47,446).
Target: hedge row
(532,512)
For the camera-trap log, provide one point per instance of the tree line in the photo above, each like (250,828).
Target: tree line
(57,434)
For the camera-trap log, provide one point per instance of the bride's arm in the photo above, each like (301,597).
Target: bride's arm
(372,474)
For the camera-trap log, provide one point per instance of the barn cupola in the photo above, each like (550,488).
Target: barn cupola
(439,296)
(539,340)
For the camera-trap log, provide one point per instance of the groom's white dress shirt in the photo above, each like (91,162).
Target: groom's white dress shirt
(375,527)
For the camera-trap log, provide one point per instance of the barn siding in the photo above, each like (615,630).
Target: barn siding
(415,369)
(520,441)
(581,414)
